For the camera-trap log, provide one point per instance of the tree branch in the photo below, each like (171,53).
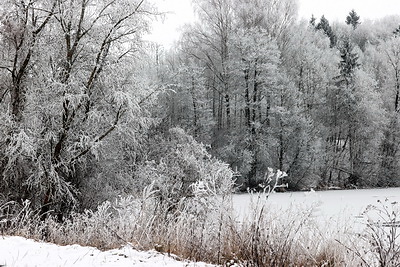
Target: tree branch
(99,138)
(6,68)
(3,95)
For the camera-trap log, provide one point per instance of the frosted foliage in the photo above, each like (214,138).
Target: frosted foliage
(75,99)
(185,170)
(274,16)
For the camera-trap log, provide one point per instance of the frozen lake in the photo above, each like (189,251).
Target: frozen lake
(335,207)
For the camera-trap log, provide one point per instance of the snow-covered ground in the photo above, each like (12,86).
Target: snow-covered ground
(21,252)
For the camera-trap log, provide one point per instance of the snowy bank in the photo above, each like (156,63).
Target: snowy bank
(20,252)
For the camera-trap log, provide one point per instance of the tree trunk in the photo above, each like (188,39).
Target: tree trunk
(16,102)
(195,115)
(228,111)
(396,102)
(247,99)
(219,111)
(254,104)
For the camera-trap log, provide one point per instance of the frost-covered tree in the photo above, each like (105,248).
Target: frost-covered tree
(353,19)
(256,67)
(78,108)
(312,20)
(390,64)
(348,63)
(187,102)
(311,65)
(354,102)
(212,37)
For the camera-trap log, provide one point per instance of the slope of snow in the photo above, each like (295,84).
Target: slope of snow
(20,252)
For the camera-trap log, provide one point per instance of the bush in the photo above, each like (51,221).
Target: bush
(176,164)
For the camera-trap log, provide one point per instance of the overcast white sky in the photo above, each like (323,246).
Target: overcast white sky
(181,12)
(339,9)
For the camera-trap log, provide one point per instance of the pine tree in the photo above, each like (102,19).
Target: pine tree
(312,20)
(349,62)
(353,19)
(324,26)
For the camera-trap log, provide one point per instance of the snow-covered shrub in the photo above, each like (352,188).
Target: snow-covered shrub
(190,197)
(176,164)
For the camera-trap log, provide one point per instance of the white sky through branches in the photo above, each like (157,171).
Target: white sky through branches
(166,31)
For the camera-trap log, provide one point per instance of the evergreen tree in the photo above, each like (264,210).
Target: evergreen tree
(312,20)
(353,19)
(327,29)
(348,63)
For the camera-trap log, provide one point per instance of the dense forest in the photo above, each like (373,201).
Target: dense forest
(89,110)
(263,89)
